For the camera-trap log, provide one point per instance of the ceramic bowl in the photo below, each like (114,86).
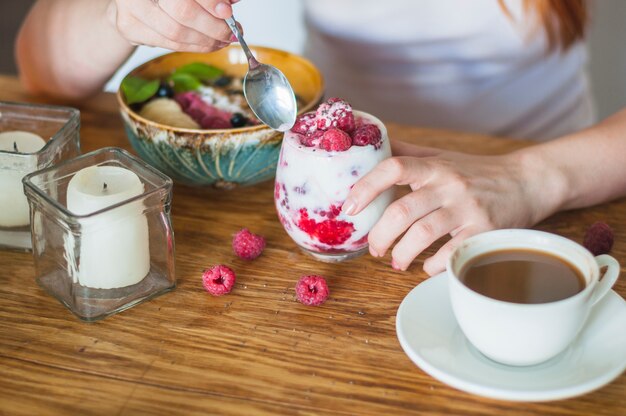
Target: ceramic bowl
(221,158)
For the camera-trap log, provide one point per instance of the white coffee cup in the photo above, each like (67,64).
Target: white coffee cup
(526,334)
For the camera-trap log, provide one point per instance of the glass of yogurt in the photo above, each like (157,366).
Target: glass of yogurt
(322,157)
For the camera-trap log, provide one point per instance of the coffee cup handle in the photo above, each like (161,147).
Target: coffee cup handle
(609,278)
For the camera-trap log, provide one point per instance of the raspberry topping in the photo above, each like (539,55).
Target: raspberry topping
(367,134)
(218,280)
(599,238)
(312,290)
(333,127)
(313,139)
(305,124)
(331,231)
(212,122)
(206,115)
(335,140)
(248,246)
(335,113)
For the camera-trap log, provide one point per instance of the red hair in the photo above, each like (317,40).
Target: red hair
(563,21)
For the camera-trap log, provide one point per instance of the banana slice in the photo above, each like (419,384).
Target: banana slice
(167,111)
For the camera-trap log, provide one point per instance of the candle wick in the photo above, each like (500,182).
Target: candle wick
(15,147)
(104,186)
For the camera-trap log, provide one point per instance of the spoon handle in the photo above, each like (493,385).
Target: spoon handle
(252,62)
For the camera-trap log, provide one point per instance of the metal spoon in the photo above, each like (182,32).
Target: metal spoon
(267,90)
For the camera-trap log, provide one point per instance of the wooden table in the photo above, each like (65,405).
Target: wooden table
(255,351)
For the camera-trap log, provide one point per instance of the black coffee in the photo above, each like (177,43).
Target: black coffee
(522,276)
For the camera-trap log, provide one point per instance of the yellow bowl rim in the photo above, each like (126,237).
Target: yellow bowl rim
(236,130)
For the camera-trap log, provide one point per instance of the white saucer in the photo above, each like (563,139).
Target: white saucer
(430,336)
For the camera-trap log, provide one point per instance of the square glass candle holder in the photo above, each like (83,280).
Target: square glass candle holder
(32,137)
(101,229)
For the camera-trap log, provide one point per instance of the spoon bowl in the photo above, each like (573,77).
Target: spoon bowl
(267,90)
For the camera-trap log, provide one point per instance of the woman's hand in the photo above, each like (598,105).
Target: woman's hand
(451,194)
(181,25)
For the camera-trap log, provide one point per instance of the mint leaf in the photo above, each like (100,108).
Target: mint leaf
(184,82)
(201,71)
(138,90)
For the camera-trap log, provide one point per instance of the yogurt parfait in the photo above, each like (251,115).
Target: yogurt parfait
(322,157)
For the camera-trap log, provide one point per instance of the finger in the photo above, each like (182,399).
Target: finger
(398,217)
(192,15)
(399,148)
(221,9)
(437,263)
(139,33)
(154,16)
(389,172)
(421,235)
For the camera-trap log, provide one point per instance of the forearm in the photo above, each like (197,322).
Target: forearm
(579,170)
(69,48)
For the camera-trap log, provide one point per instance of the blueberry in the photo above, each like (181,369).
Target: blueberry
(136,107)
(223,81)
(238,120)
(165,91)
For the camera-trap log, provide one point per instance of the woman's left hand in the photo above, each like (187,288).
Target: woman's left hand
(451,194)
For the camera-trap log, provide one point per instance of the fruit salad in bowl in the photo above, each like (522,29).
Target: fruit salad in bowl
(325,153)
(185,114)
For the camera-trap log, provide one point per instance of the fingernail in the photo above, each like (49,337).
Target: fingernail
(233,38)
(394,265)
(373,252)
(223,9)
(348,207)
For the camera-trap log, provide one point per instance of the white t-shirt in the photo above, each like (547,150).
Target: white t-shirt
(452,64)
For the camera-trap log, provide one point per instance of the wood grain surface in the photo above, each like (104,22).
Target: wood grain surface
(255,351)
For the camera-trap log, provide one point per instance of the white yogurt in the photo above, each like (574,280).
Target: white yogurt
(311,183)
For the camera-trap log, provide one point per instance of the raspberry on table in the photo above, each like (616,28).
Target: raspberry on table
(366,134)
(218,280)
(247,245)
(335,140)
(312,290)
(599,238)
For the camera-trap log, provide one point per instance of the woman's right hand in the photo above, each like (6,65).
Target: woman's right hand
(180,25)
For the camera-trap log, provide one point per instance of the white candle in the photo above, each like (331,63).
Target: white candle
(114,245)
(14,210)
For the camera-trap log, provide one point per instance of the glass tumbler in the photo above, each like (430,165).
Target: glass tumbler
(311,187)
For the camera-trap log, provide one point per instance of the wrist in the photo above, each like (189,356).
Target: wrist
(109,19)
(545,184)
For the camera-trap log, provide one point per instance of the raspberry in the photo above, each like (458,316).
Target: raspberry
(599,238)
(311,140)
(335,113)
(248,246)
(335,140)
(312,290)
(276,190)
(206,115)
(366,134)
(331,231)
(218,280)
(305,124)
(211,122)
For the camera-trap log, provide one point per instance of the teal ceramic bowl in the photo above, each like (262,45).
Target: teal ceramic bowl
(220,158)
